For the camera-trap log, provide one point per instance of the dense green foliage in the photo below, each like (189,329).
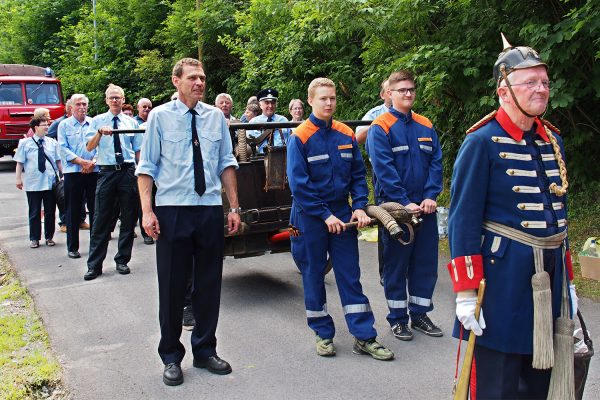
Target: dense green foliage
(248,45)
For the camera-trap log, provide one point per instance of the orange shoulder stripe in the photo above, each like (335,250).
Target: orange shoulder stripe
(343,128)
(385,121)
(305,130)
(422,120)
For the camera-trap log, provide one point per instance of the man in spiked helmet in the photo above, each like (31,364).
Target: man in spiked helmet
(508,224)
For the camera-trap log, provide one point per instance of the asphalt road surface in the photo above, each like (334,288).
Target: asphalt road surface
(105,332)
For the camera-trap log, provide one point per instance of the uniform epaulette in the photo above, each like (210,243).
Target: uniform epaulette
(549,125)
(482,122)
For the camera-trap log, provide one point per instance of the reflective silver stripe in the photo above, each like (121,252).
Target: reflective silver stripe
(317,314)
(507,140)
(397,303)
(541,224)
(424,147)
(515,156)
(420,301)
(531,206)
(552,172)
(526,189)
(557,206)
(317,158)
(521,172)
(356,308)
(496,243)
(399,148)
(542,143)
(346,155)
(548,157)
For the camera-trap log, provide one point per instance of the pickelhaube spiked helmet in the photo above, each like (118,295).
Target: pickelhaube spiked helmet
(513,58)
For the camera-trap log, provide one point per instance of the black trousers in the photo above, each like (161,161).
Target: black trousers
(190,245)
(76,186)
(507,376)
(35,200)
(112,186)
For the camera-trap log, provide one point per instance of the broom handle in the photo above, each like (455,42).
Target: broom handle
(462,388)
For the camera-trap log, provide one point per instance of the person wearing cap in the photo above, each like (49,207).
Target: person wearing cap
(267,99)
(324,167)
(508,224)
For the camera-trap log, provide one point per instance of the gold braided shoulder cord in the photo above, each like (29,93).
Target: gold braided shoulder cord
(558,190)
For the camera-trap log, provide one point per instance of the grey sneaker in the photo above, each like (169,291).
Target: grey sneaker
(402,332)
(373,348)
(325,347)
(188,318)
(421,322)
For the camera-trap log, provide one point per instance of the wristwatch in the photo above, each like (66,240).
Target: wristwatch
(237,210)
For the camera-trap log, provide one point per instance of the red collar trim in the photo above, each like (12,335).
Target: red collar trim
(514,131)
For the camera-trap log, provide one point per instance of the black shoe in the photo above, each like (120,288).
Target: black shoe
(123,269)
(74,254)
(214,364)
(172,375)
(92,273)
(188,318)
(402,332)
(421,322)
(148,240)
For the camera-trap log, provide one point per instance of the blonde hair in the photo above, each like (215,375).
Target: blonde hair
(114,87)
(319,82)
(41,113)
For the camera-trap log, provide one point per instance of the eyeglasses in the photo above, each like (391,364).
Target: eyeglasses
(531,85)
(43,124)
(297,109)
(115,98)
(404,91)
(149,107)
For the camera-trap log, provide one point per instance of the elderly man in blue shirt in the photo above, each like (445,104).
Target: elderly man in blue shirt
(187,152)
(267,99)
(79,168)
(116,156)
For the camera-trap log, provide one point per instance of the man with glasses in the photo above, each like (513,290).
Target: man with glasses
(116,156)
(407,164)
(144,106)
(508,224)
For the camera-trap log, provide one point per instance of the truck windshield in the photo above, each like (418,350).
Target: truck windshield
(42,93)
(10,93)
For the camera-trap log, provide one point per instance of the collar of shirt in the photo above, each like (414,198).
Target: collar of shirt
(514,131)
(319,122)
(401,116)
(74,122)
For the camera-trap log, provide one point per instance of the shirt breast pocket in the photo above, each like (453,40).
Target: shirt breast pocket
(319,166)
(210,142)
(174,140)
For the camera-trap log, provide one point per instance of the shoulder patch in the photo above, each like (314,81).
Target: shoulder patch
(422,120)
(549,125)
(385,121)
(482,121)
(343,128)
(305,130)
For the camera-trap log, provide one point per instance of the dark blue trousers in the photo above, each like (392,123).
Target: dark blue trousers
(76,186)
(190,245)
(35,200)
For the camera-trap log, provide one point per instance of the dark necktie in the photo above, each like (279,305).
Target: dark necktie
(270,119)
(41,156)
(117,142)
(199,183)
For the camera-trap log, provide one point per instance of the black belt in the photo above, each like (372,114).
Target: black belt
(117,167)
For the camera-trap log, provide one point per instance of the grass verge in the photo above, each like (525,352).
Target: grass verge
(29,368)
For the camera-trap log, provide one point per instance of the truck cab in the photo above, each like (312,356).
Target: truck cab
(23,88)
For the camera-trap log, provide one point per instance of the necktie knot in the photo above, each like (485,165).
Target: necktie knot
(193,111)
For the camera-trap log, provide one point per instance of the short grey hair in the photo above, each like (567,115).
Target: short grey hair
(226,95)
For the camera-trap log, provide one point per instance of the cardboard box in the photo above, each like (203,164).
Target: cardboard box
(590,267)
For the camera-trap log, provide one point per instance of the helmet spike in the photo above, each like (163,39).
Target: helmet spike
(505,43)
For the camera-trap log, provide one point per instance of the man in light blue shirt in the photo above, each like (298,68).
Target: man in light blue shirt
(361,131)
(116,156)
(267,99)
(79,168)
(187,151)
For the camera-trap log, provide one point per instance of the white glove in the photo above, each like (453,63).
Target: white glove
(574,298)
(465,312)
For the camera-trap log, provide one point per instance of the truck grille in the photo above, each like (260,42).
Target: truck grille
(17,129)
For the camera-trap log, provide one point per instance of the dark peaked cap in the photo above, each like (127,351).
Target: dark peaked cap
(267,94)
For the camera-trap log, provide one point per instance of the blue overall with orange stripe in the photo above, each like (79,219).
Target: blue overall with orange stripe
(324,166)
(407,164)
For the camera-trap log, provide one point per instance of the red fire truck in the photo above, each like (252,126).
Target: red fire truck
(23,88)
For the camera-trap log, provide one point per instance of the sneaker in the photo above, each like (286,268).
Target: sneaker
(325,347)
(421,322)
(373,348)
(188,318)
(63,228)
(402,332)
(34,244)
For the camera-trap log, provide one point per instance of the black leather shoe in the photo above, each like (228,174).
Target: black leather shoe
(213,364)
(172,374)
(148,240)
(74,254)
(123,269)
(92,273)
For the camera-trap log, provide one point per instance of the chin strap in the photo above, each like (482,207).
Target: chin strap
(508,85)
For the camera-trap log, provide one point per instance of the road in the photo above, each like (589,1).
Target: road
(105,332)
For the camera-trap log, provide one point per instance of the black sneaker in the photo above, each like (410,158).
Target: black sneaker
(188,318)
(402,332)
(421,322)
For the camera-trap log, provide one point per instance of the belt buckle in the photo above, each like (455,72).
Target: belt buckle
(118,167)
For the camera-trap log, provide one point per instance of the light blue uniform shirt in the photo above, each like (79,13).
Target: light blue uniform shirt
(375,112)
(27,154)
(276,136)
(167,154)
(130,143)
(71,138)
